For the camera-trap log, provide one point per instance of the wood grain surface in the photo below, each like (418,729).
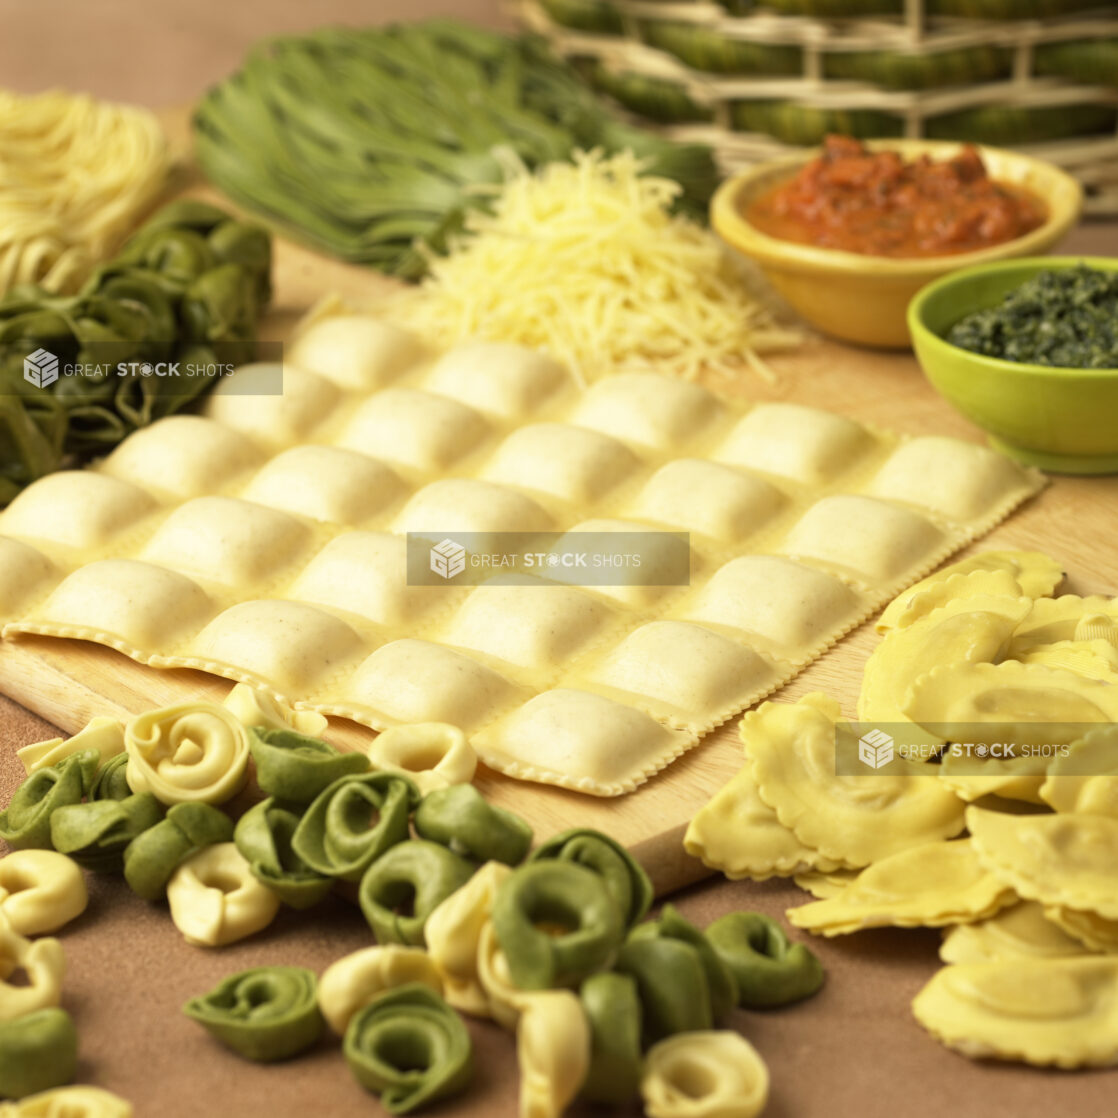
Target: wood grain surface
(1076,520)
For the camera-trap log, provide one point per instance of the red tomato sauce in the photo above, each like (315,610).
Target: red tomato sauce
(876,204)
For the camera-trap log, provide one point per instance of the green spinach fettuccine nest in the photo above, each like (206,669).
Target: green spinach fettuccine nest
(371,144)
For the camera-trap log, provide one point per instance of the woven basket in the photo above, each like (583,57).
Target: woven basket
(757,78)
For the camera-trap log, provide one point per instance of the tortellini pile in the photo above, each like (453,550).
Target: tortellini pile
(605,1006)
(1015,857)
(551,943)
(40,891)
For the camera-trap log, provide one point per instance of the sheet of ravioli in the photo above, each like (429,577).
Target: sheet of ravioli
(265,541)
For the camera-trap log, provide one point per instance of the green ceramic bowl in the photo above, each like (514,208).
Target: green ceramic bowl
(1064,420)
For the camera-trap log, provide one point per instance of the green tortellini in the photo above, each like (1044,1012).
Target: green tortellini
(460,817)
(613,1012)
(26,820)
(409,1047)
(37,1051)
(263,836)
(415,874)
(672,985)
(557,923)
(721,984)
(353,821)
(263,1014)
(111,782)
(622,873)
(96,833)
(152,857)
(296,768)
(769,970)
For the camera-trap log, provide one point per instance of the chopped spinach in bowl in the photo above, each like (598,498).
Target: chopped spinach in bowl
(1066,318)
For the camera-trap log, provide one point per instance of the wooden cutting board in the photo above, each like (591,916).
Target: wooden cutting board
(1075,520)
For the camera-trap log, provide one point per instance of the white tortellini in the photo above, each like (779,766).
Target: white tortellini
(354,980)
(215,899)
(40,891)
(106,735)
(714,1074)
(453,936)
(434,754)
(187,752)
(553,1051)
(44,964)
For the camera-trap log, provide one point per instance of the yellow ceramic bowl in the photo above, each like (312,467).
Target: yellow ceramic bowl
(861,298)
(1058,419)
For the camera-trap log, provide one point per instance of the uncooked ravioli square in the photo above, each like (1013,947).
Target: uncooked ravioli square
(267,541)
(583,741)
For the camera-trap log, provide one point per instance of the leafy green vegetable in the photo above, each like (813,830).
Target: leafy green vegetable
(1065,318)
(189,286)
(372,144)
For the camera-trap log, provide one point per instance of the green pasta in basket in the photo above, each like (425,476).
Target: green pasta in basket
(1082,60)
(706,49)
(916,70)
(598,16)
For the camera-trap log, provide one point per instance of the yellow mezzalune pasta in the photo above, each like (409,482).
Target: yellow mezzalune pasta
(925,886)
(1022,931)
(1061,1012)
(75,176)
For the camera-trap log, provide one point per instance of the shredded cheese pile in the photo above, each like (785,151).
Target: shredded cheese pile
(75,176)
(585,261)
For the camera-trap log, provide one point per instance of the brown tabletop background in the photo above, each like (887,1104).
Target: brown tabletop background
(853,1050)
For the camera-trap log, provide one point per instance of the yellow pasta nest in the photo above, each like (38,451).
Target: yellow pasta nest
(75,175)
